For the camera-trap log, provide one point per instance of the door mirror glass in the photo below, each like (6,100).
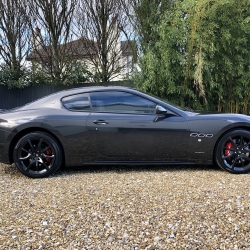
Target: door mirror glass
(159,110)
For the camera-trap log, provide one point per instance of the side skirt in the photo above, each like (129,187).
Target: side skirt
(147,163)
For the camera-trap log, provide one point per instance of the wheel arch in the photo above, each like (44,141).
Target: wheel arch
(26,131)
(224,133)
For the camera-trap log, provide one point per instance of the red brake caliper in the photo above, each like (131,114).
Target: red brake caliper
(48,152)
(227,151)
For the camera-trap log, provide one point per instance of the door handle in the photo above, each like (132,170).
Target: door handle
(100,122)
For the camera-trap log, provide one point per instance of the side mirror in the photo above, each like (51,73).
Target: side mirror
(159,110)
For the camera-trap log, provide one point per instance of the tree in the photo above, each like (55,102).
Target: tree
(99,25)
(145,16)
(51,25)
(14,35)
(201,56)
(231,56)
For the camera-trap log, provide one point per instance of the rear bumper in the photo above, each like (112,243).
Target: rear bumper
(4,146)
(1,151)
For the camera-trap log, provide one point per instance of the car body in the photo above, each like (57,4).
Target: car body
(118,125)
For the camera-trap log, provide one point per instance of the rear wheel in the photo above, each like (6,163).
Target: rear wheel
(37,155)
(233,152)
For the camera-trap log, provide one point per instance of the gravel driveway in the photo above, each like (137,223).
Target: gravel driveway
(125,208)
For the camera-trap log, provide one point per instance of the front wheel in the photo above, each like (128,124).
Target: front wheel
(233,152)
(37,155)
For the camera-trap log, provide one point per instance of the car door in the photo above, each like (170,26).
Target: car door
(124,125)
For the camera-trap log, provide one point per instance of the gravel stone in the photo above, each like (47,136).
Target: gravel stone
(156,207)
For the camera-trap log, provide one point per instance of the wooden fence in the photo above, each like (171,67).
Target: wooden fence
(11,98)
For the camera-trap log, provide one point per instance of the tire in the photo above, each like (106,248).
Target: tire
(37,155)
(233,152)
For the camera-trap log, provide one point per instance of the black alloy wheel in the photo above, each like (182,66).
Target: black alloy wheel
(233,152)
(37,155)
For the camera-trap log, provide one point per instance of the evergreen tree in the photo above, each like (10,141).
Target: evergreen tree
(201,56)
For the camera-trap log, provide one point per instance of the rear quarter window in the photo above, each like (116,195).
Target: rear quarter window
(78,102)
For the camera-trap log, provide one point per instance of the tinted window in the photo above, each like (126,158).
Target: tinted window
(121,102)
(76,102)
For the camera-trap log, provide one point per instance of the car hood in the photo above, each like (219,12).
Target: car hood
(217,115)
(3,110)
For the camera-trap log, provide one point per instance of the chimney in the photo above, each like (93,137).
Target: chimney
(37,31)
(36,39)
(114,19)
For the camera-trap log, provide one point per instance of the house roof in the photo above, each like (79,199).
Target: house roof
(78,49)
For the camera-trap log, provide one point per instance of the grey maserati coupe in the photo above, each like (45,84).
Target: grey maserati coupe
(118,125)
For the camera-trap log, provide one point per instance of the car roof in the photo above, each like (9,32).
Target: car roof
(93,88)
(54,100)
(87,89)
(58,95)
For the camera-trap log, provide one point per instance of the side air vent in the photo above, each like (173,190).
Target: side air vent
(201,135)
(193,134)
(209,135)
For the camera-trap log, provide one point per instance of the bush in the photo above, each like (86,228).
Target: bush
(24,77)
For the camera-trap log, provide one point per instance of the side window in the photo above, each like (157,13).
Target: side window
(121,102)
(78,102)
